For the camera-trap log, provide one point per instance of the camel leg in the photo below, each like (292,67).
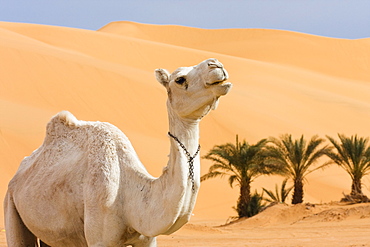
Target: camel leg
(17,234)
(147,242)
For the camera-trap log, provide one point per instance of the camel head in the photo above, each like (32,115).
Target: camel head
(194,91)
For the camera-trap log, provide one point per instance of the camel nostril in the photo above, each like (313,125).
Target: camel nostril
(214,65)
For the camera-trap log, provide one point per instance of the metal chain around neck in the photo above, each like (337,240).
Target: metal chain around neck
(190,159)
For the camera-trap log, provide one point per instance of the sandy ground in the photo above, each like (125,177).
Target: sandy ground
(284,82)
(282,225)
(303,225)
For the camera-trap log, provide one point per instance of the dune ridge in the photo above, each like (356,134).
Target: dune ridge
(284,82)
(332,225)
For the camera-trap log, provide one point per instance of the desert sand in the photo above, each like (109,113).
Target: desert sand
(284,82)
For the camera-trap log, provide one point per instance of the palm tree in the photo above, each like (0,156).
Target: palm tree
(296,159)
(279,195)
(256,204)
(353,155)
(242,163)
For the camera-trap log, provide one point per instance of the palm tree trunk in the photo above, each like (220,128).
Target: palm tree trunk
(298,192)
(244,199)
(356,187)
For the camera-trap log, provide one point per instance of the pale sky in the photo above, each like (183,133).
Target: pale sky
(332,18)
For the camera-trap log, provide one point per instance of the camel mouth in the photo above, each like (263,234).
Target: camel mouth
(216,83)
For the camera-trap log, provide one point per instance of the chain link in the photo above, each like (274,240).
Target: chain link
(190,160)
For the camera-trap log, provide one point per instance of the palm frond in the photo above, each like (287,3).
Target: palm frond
(233,179)
(212,175)
(273,197)
(280,195)
(353,155)
(297,157)
(284,192)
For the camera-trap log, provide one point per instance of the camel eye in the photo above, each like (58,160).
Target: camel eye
(180,80)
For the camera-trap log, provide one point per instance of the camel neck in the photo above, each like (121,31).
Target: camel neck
(185,130)
(174,193)
(184,161)
(190,158)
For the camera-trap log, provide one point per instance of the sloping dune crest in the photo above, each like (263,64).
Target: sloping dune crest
(283,214)
(332,225)
(284,82)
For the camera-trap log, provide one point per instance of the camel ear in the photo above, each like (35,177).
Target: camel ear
(162,76)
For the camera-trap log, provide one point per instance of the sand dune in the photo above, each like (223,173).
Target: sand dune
(284,82)
(330,225)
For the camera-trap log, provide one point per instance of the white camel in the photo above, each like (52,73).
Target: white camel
(85,185)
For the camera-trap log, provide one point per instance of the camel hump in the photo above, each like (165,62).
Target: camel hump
(68,119)
(60,125)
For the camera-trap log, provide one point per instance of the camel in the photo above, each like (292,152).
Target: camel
(85,185)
